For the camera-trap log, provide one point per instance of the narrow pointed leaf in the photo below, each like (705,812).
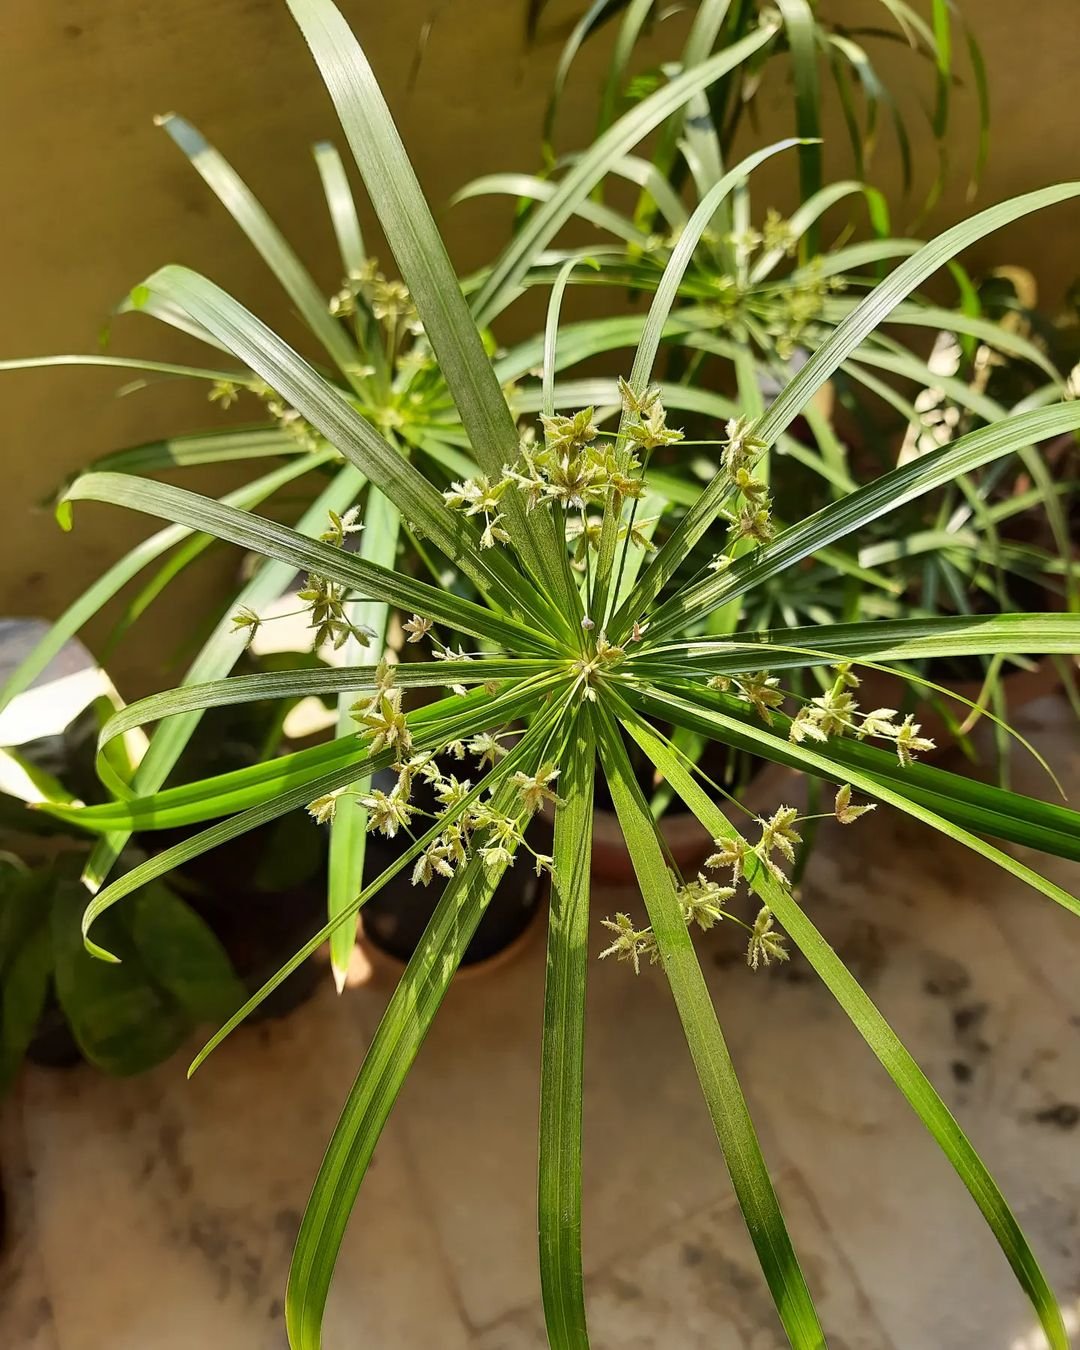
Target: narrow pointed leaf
(111,582)
(832,353)
(393,1049)
(562,1061)
(879,1037)
(425,266)
(853,512)
(348,831)
(303,554)
(357,765)
(327,410)
(268,241)
(876,640)
(342,208)
(712,1061)
(827,763)
(544,223)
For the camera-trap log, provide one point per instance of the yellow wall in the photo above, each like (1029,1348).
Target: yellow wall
(97,198)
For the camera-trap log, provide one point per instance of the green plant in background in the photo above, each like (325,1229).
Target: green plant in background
(772,295)
(174,976)
(380,360)
(562,657)
(817,50)
(740,325)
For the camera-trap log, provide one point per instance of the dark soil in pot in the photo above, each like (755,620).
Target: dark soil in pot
(263,895)
(395,918)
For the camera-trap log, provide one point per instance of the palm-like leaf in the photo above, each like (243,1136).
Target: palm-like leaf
(565,683)
(817,51)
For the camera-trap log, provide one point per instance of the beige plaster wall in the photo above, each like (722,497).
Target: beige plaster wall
(97,197)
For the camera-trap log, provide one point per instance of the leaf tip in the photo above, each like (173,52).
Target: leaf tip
(100,953)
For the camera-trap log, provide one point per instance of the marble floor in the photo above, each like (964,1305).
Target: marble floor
(157,1214)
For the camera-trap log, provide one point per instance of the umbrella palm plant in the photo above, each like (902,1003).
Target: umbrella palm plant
(814,46)
(772,296)
(557,671)
(747,320)
(377,354)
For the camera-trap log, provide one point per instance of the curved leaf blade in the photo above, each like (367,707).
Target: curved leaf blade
(268,241)
(304,554)
(425,266)
(880,1038)
(716,1073)
(542,226)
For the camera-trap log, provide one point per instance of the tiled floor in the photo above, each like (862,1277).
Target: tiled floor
(156,1214)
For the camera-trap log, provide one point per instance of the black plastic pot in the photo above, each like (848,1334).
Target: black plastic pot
(53,1046)
(259,913)
(395,918)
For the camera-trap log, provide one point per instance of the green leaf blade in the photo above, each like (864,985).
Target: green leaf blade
(716,1073)
(880,1038)
(393,1049)
(266,238)
(348,832)
(562,1060)
(425,265)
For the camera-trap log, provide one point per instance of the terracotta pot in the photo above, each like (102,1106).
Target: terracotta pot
(688,841)
(879,689)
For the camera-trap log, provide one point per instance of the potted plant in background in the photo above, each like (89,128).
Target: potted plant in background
(818,53)
(196,947)
(582,666)
(760,294)
(381,360)
(60,1006)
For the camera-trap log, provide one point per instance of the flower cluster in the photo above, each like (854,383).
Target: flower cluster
(386,300)
(330,621)
(380,716)
(749,516)
(588,669)
(702,903)
(784,311)
(797,306)
(585,531)
(480,496)
(227,392)
(324,600)
(836,713)
(832,713)
(577,468)
(471,823)
(704,900)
